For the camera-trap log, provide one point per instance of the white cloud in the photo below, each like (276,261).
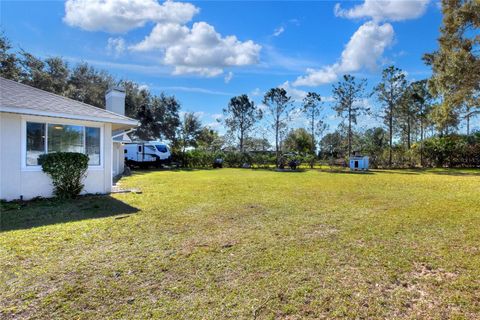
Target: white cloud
(296,94)
(228,77)
(317,77)
(198,50)
(119,16)
(194,89)
(364,50)
(116,46)
(366,46)
(394,10)
(278,31)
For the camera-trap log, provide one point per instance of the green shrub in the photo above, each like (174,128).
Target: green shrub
(263,160)
(67,170)
(235,159)
(310,160)
(452,151)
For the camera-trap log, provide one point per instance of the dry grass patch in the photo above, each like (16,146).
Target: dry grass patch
(246,244)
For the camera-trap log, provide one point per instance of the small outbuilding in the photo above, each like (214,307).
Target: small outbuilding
(358,162)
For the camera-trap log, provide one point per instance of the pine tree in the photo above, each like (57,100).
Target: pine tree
(389,93)
(347,94)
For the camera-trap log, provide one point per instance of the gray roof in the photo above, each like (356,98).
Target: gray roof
(20,98)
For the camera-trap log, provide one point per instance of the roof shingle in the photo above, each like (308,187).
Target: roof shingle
(20,98)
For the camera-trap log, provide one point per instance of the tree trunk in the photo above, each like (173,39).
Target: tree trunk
(241,141)
(421,143)
(349,130)
(277,124)
(313,133)
(468,124)
(408,132)
(390,138)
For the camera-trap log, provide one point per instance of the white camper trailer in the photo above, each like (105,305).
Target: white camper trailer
(144,154)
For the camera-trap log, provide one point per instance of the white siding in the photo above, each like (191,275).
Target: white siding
(16,180)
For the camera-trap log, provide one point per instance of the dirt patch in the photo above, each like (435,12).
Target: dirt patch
(424,271)
(320,231)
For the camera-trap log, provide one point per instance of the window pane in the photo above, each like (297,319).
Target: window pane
(35,142)
(161,148)
(92,142)
(65,138)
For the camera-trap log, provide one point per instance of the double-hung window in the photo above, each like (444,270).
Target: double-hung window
(50,137)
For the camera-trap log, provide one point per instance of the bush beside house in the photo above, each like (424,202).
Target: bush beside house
(67,170)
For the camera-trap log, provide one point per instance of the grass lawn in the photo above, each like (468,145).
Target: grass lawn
(246,244)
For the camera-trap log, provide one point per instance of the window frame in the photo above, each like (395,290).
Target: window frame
(59,121)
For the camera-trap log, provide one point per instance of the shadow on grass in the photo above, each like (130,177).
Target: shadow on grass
(347,171)
(438,171)
(147,171)
(442,171)
(42,212)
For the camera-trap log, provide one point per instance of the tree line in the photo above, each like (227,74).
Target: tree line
(420,118)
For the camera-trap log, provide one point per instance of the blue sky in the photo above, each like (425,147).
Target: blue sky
(186,49)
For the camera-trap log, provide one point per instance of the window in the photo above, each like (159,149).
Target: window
(162,148)
(35,142)
(65,138)
(92,145)
(139,148)
(47,138)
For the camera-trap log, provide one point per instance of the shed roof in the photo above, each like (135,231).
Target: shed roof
(20,98)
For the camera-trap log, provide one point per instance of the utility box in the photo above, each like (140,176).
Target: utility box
(359,163)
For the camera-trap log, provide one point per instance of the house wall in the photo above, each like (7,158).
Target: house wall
(118,158)
(17,180)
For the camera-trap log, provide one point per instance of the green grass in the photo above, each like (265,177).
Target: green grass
(245,244)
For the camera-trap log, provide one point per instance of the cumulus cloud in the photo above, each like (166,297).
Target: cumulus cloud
(317,77)
(116,46)
(118,16)
(394,10)
(366,46)
(199,50)
(368,43)
(364,50)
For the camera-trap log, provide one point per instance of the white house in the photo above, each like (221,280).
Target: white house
(33,122)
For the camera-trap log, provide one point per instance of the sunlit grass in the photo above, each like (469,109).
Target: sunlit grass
(233,243)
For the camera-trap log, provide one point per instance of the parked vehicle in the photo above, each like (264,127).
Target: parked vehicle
(145,154)
(218,163)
